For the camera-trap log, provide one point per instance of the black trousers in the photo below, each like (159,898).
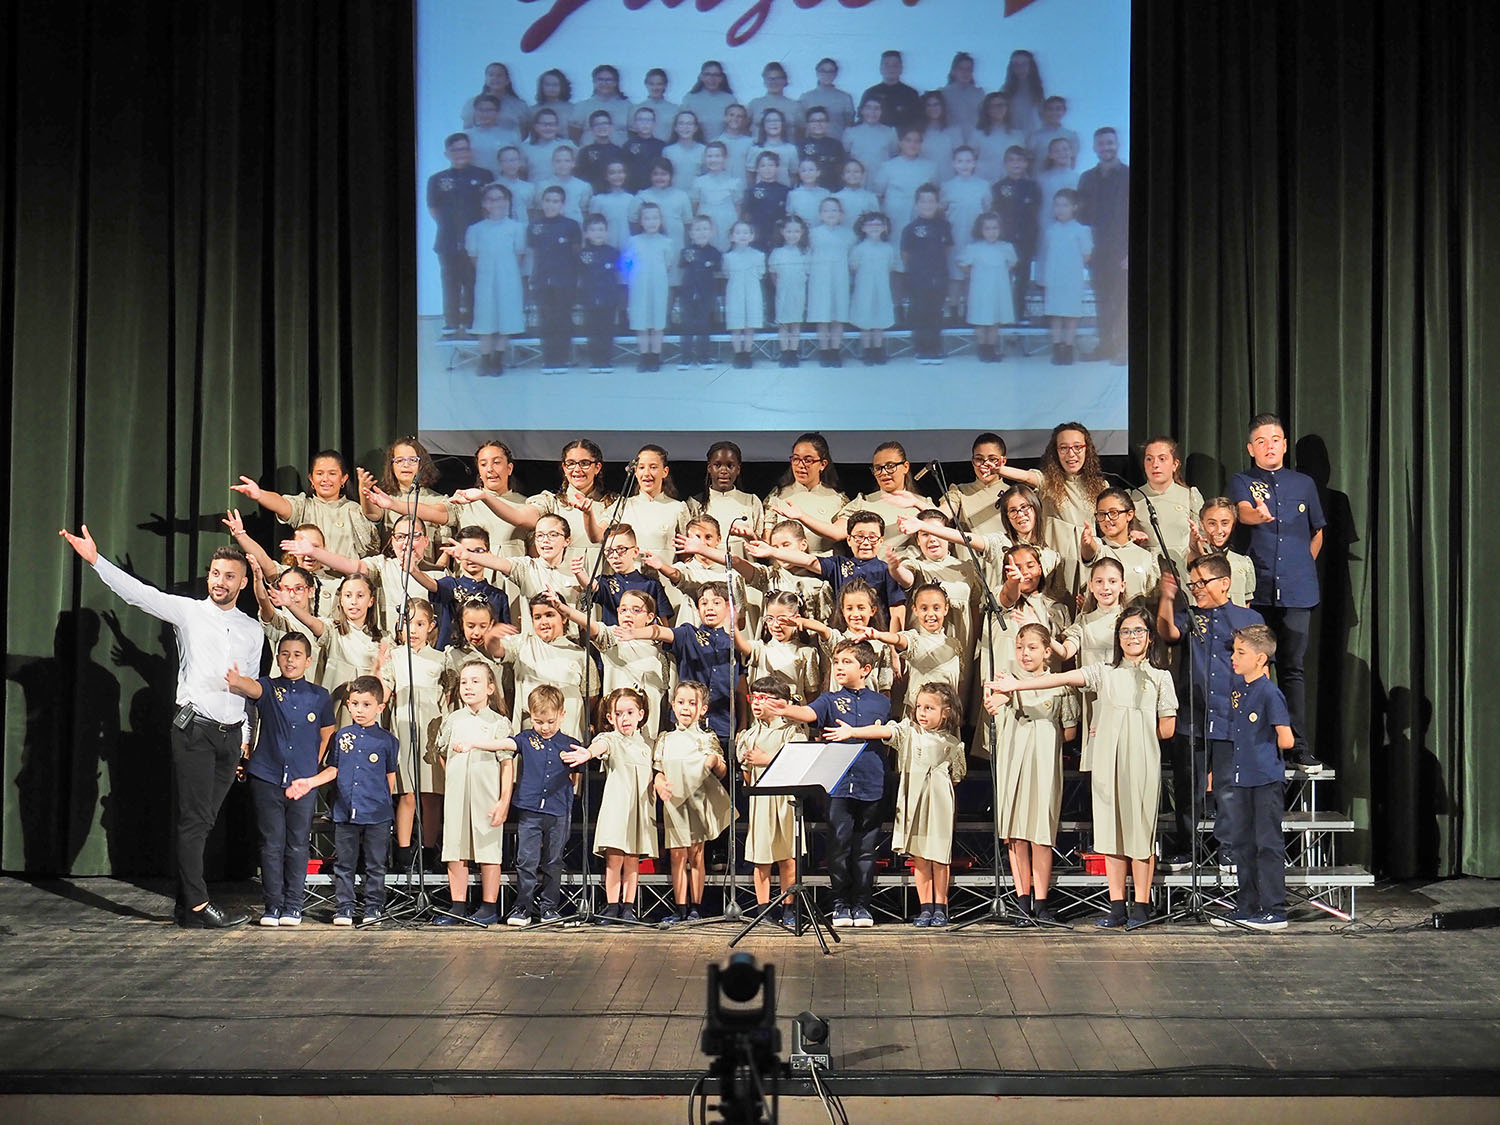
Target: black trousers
(1258,846)
(1192,768)
(853,835)
(600,325)
(555,311)
(926,318)
(204,757)
(696,323)
(540,839)
(350,843)
(458,288)
(1111,285)
(1291,627)
(285,828)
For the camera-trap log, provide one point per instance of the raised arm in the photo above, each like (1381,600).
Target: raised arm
(1166,609)
(340,563)
(128,588)
(844,732)
(273,502)
(785,555)
(314,624)
(591,525)
(902,574)
(517,515)
(828,529)
(910,525)
(432,514)
(458,551)
(253,550)
(573,613)
(241,684)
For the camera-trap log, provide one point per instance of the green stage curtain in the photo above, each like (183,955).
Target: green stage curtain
(207,225)
(1314,240)
(204,271)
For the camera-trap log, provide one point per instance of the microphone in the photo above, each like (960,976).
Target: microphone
(925,470)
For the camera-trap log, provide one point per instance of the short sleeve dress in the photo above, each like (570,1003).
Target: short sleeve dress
(744,303)
(473,785)
(930,763)
(797,662)
(1126,757)
(1094,634)
(559,663)
(871,305)
(1028,768)
(789,265)
(769,837)
(422,684)
(642,665)
(627,811)
(699,809)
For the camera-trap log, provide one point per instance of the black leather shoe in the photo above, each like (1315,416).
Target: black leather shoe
(212,918)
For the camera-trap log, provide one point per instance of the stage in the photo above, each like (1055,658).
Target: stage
(102,995)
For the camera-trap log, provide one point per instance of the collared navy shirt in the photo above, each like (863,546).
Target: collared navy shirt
(600,283)
(861,707)
(546,784)
(455,195)
(292,716)
(707,655)
(610,588)
(554,244)
(1286,574)
(700,274)
(1213,677)
(594,160)
(1256,709)
(639,153)
(841,569)
(924,244)
(1018,203)
(829,156)
(456,591)
(765,206)
(362,791)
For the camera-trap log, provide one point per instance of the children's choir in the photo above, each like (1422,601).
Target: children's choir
(675,647)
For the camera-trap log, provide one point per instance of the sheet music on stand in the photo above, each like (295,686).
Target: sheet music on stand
(802,766)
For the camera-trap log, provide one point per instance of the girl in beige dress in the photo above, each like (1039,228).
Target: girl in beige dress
(545,656)
(349,644)
(549,570)
(479,783)
(1091,637)
(1136,710)
(643,666)
(1116,517)
(1029,775)
(392,582)
(770,840)
(783,649)
(625,829)
(415,690)
(812,484)
(930,758)
(858,613)
(1069,481)
(694,805)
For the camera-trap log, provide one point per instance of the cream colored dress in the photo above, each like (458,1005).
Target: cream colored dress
(1094,634)
(345,529)
(533,577)
(959,583)
(1126,765)
(556,504)
(627,811)
(822,502)
(1061,528)
(699,809)
(882,676)
(1028,770)
(930,764)
(797,662)
(816,595)
(770,836)
(342,656)
(890,513)
(424,685)
(1035,607)
(643,665)
(1142,570)
(473,784)
(1241,578)
(1177,510)
(390,583)
(931,657)
(537,662)
(976,505)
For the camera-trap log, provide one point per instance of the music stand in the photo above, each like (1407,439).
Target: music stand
(801,770)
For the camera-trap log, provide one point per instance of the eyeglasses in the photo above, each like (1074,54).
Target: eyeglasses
(551,535)
(578,464)
(1135,632)
(1200,583)
(805,461)
(887,467)
(1072,448)
(1112,515)
(863,538)
(988,459)
(615,550)
(405,460)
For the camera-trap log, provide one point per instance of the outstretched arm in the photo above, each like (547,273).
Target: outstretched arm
(273,502)
(517,515)
(128,588)
(1008,684)
(299,546)
(837,530)
(844,732)
(434,515)
(490,562)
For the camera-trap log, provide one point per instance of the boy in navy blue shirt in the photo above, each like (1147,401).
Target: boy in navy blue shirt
(864,534)
(1281,508)
(600,291)
(642,147)
(822,150)
(554,240)
(295,723)
(697,296)
(854,804)
(765,202)
(624,559)
(1018,202)
(1260,728)
(362,764)
(703,652)
(543,800)
(452,592)
(453,197)
(596,156)
(924,251)
(1205,683)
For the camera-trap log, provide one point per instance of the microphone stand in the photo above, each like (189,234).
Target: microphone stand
(998,911)
(585,914)
(1196,736)
(420,908)
(731,912)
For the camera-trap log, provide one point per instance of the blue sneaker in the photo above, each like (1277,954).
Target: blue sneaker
(487,916)
(1267,920)
(693,915)
(271,918)
(939,916)
(924,918)
(842,919)
(290,918)
(863,919)
(550,916)
(788,919)
(449,917)
(673,918)
(518,920)
(1227,921)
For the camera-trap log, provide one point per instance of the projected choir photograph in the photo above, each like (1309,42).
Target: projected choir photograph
(640,224)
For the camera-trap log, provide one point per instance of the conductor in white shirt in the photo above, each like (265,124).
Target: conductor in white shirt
(210,730)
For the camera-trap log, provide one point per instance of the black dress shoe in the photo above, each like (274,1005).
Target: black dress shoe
(212,918)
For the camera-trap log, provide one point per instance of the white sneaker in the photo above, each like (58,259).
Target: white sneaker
(343,920)
(291,920)
(518,920)
(270,919)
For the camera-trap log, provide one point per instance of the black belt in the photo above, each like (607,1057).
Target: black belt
(222,728)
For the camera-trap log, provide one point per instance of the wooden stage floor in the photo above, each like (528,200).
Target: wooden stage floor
(102,994)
